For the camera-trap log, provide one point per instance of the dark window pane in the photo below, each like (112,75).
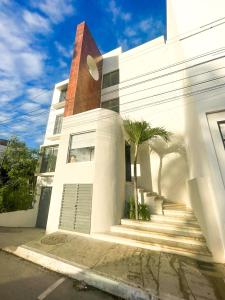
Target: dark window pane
(128,162)
(114,77)
(112,105)
(49,157)
(221,125)
(110,79)
(106,81)
(62,96)
(58,124)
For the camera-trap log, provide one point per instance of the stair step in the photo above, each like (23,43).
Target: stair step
(111,237)
(164,228)
(176,212)
(176,206)
(186,221)
(155,237)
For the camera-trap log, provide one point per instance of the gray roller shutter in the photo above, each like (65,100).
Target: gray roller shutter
(76,208)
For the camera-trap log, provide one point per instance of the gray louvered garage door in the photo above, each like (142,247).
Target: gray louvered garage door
(76,207)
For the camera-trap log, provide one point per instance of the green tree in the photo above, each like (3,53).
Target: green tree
(139,132)
(17,180)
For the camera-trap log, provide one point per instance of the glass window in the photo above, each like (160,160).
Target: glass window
(49,157)
(62,96)
(221,125)
(82,147)
(112,105)
(110,79)
(58,124)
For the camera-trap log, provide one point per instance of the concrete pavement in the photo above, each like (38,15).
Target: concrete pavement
(21,280)
(156,274)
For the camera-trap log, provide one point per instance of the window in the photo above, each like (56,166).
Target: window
(128,162)
(58,124)
(221,125)
(112,105)
(62,96)
(82,147)
(49,156)
(110,79)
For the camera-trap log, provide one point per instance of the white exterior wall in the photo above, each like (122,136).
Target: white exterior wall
(102,172)
(20,218)
(174,85)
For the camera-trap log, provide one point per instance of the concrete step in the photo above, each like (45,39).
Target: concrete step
(164,228)
(128,241)
(182,220)
(160,238)
(178,212)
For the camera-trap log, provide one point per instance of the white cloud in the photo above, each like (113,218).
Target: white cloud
(130,32)
(30,106)
(23,62)
(67,53)
(39,95)
(56,10)
(145,25)
(35,21)
(117,12)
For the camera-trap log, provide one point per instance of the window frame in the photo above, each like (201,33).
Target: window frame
(56,146)
(110,74)
(117,98)
(55,127)
(221,134)
(63,90)
(70,143)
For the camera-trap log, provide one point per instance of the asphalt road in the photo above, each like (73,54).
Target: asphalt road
(22,280)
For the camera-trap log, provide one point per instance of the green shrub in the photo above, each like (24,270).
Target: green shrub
(143,210)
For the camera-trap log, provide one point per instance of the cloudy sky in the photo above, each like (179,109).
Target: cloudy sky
(36,40)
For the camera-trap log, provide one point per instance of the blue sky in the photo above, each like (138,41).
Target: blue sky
(36,41)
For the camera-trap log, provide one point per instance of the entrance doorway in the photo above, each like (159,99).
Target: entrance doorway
(43,207)
(217,128)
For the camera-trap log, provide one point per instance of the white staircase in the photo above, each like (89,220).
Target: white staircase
(176,231)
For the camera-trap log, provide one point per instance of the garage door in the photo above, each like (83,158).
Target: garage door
(76,208)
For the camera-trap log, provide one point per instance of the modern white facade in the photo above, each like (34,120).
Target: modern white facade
(177,83)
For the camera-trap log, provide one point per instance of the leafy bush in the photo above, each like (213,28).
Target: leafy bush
(143,210)
(17,179)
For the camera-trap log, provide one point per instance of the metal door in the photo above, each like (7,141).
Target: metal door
(76,208)
(43,207)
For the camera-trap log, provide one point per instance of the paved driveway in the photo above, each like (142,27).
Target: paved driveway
(21,280)
(13,237)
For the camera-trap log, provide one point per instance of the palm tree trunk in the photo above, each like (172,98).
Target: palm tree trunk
(135,182)
(160,175)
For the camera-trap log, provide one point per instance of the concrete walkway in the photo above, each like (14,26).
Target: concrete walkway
(162,275)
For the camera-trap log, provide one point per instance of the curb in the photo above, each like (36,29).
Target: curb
(81,273)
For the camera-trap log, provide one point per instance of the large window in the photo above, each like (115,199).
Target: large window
(49,157)
(110,79)
(112,104)
(62,96)
(58,124)
(82,147)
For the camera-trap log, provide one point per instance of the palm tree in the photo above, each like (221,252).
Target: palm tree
(139,132)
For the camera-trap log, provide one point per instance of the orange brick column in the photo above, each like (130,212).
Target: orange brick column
(84,92)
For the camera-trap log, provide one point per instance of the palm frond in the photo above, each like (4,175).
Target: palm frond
(140,131)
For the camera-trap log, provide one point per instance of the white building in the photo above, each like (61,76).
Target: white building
(177,82)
